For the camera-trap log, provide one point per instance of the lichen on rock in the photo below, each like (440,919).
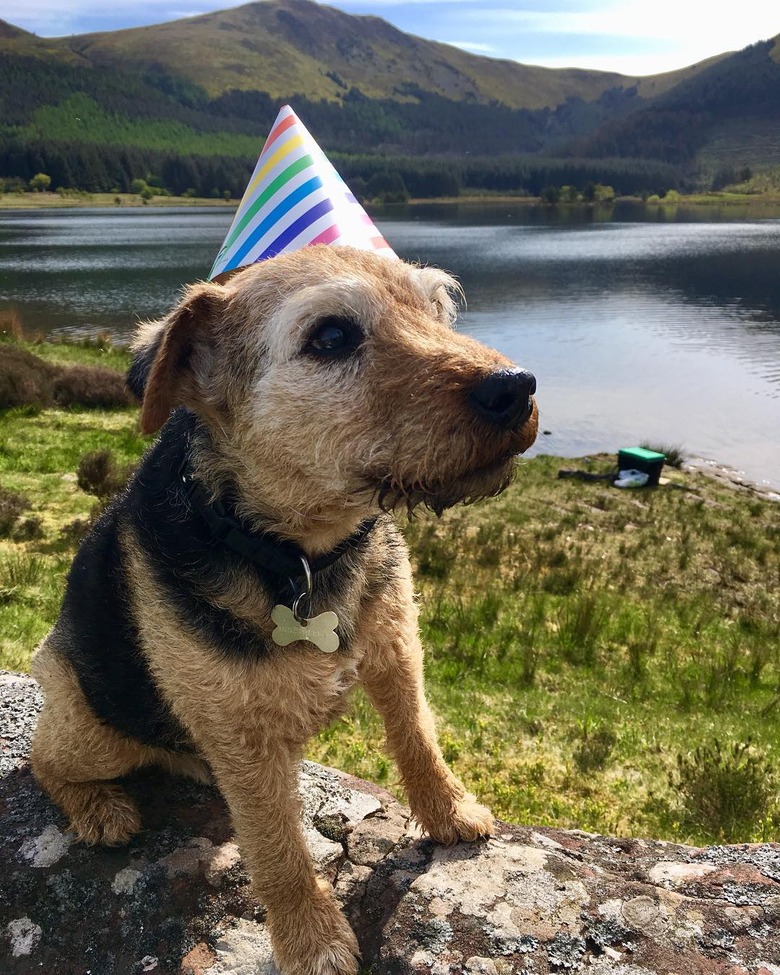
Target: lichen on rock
(177,899)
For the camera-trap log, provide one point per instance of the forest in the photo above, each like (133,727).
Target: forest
(98,129)
(108,128)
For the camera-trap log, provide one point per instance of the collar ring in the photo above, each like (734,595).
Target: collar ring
(304,596)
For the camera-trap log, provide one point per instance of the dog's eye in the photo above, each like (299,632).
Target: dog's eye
(334,336)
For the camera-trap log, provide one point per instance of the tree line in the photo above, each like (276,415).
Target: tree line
(114,169)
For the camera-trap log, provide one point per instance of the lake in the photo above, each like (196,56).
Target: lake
(641,325)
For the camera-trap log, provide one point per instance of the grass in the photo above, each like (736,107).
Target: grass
(596,658)
(38,201)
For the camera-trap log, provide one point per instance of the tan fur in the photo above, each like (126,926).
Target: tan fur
(73,754)
(310,448)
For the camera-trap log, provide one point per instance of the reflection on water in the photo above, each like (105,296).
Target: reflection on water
(659,326)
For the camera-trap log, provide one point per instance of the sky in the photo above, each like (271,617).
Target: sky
(633,37)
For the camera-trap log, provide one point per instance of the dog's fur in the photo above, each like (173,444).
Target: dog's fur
(162,653)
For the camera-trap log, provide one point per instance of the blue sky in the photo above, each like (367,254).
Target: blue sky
(630,36)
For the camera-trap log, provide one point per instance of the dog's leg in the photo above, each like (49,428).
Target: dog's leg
(310,935)
(73,755)
(392,673)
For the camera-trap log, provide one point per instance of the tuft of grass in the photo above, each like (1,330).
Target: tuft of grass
(725,792)
(581,622)
(11,328)
(594,748)
(20,569)
(674,454)
(11,507)
(98,474)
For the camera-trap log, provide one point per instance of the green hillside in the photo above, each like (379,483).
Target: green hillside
(726,115)
(297,46)
(190,102)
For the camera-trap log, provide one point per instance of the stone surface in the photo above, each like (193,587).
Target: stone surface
(542,901)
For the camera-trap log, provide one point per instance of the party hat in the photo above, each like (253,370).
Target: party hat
(295,198)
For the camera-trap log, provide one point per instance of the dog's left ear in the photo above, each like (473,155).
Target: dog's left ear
(177,354)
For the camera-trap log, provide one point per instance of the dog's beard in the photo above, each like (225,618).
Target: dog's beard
(392,495)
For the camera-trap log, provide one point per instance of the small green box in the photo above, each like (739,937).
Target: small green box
(638,459)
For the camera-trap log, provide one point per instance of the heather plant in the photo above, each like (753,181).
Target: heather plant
(98,474)
(725,791)
(11,507)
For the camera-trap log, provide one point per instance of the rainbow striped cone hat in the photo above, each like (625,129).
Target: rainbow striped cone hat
(295,198)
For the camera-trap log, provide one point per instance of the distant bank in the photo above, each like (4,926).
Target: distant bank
(42,201)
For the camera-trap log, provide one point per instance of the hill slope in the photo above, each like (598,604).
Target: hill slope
(190,101)
(728,113)
(297,46)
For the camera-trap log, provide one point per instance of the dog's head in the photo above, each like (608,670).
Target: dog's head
(332,379)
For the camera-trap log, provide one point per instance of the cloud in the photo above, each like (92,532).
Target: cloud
(55,18)
(632,36)
(473,46)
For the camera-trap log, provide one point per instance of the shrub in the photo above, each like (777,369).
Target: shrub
(90,386)
(29,530)
(40,183)
(593,751)
(725,793)
(675,455)
(98,474)
(11,507)
(74,531)
(26,379)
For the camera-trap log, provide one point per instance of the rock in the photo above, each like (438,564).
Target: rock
(176,899)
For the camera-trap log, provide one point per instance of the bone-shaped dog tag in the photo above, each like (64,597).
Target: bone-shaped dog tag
(320,630)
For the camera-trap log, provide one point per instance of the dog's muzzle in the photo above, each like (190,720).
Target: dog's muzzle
(503,397)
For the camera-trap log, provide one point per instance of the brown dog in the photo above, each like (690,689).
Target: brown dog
(311,393)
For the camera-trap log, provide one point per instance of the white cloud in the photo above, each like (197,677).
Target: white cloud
(600,34)
(472,46)
(678,24)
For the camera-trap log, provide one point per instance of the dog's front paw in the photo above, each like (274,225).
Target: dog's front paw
(100,813)
(315,940)
(466,819)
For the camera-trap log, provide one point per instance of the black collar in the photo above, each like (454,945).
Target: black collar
(275,555)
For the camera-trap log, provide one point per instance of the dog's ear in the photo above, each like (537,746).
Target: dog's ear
(145,346)
(173,357)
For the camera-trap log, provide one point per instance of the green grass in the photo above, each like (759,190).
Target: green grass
(581,639)
(587,647)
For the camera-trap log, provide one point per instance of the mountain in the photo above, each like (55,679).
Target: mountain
(726,114)
(191,100)
(297,46)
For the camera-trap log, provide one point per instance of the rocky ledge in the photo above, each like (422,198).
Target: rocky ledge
(177,900)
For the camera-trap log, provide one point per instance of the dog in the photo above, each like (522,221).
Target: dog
(250,574)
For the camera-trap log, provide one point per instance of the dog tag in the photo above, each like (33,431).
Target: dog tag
(320,630)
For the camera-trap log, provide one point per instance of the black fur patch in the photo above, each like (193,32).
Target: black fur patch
(141,366)
(98,635)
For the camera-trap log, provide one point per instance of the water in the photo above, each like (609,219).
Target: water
(664,329)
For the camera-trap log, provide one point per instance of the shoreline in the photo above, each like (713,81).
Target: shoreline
(730,477)
(45,201)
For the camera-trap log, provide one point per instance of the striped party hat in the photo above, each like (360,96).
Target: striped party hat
(295,198)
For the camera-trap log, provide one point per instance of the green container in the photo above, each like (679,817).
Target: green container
(638,459)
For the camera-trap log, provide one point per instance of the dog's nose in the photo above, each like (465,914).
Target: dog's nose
(503,397)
